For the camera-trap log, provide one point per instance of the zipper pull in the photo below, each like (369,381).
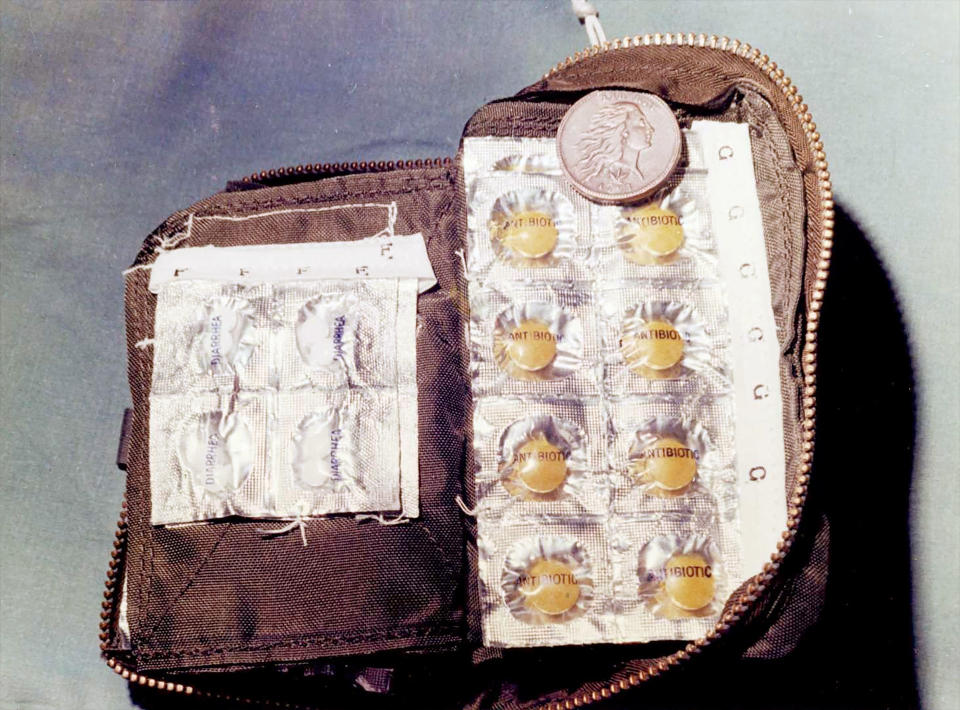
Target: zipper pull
(590,19)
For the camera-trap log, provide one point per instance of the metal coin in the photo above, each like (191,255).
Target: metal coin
(618,146)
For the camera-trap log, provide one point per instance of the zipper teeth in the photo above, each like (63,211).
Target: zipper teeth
(112,584)
(809,363)
(345,168)
(114,580)
(113,576)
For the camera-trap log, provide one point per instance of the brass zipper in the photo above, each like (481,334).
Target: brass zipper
(809,363)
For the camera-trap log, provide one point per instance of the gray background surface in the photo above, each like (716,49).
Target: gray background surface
(116,114)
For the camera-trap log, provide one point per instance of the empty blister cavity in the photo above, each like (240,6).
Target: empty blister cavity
(488,155)
(326,332)
(207,457)
(324,459)
(216,449)
(224,338)
(681,577)
(542,163)
(547,580)
(334,334)
(210,336)
(336,452)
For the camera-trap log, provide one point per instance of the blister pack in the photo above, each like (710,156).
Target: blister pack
(670,452)
(544,582)
(336,334)
(527,226)
(628,352)
(667,237)
(213,338)
(664,337)
(289,398)
(540,457)
(671,576)
(211,450)
(535,338)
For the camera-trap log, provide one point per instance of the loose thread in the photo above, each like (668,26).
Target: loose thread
(472,512)
(297,523)
(384,521)
(145,267)
(171,241)
(391,218)
(388,232)
(144,344)
(461,257)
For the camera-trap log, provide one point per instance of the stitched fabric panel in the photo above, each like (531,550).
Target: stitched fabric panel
(220,594)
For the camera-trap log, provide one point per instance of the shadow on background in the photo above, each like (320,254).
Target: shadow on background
(860,654)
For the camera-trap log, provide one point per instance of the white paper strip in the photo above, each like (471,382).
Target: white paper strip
(401,257)
(756,351)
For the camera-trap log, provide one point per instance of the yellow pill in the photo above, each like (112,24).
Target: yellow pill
(540,465)
(532,345)
(690,583)
(550,587)
(669,463)
(652,230)
(659,345)
(529,233)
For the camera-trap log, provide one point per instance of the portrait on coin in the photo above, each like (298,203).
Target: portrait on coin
(610,149)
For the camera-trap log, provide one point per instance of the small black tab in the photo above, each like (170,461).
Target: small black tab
(124,446)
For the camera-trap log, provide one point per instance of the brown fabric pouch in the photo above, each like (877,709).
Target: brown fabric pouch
(215,608)
(222,595)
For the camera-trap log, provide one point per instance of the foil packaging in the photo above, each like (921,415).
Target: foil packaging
(694,312)
(527,226)
(539,338)
(518,442)
(606,487)
(679,209)
(278,400)
(523,564)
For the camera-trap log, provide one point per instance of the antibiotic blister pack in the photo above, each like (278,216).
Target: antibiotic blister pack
(605,402)
(282,399)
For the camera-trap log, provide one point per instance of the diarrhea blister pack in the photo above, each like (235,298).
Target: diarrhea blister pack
(607,485)
(283,399)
